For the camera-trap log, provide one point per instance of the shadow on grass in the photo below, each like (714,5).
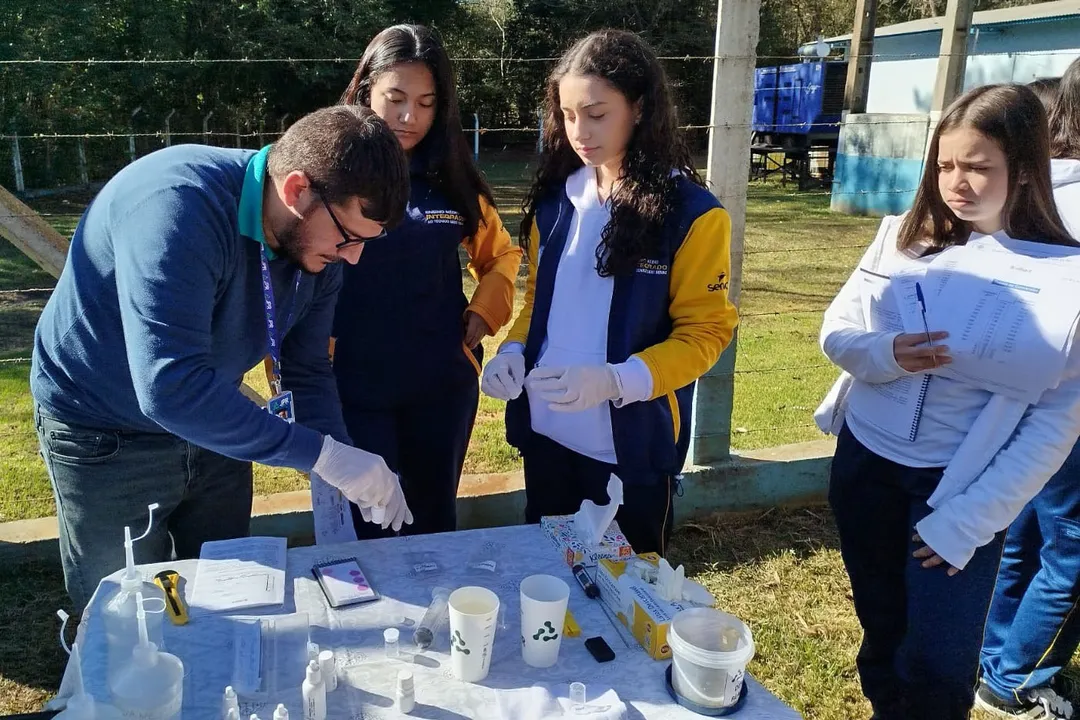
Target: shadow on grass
(722,542)
(30,653)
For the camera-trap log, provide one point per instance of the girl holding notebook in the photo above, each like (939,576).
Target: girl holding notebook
(921,504)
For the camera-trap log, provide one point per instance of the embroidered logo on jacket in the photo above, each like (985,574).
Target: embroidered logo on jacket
(647,266)
(720,284)
(444,217)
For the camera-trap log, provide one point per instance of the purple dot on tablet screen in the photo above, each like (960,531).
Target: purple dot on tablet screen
(354,573)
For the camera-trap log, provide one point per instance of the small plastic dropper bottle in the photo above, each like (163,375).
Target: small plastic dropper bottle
(81,706)
(406,692)
(229,701)
(328,670)
(314,692)
(151,685)
(281,712)
(121,626)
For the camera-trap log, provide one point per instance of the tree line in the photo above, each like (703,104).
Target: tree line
(502,46)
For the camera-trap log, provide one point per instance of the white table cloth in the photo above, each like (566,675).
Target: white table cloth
(367,680)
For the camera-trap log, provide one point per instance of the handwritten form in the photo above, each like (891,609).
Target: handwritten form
(239,574)
(331,512)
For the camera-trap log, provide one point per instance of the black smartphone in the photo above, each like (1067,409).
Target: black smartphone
(599,649)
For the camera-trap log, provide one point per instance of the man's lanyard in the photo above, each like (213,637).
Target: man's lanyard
(271,321)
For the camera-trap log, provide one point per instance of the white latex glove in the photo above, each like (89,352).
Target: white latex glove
(504,376)
(361,476)
(576,388)
(394,514)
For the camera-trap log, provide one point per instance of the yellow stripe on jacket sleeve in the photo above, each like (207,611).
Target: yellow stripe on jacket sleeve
(702,316)
(494,261)
(519,331)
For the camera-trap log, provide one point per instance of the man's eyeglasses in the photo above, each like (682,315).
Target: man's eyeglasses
(349,240)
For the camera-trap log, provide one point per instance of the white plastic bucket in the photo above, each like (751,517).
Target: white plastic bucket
(706,669)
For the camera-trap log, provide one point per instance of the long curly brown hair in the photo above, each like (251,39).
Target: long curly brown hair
(647,191)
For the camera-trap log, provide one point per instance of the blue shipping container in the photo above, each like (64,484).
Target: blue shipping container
(799,99)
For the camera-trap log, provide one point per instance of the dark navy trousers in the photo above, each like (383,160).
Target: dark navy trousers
(922,629)
(425,443)
(557,480)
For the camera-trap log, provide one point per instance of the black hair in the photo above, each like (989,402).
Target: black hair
(1046,89)
(347,152)
(447,161)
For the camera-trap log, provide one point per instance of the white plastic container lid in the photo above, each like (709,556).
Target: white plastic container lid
(696,634)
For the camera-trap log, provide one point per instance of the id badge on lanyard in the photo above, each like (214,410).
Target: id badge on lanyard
(281,401)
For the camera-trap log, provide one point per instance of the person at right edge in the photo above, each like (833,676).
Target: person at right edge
(626,301)
(1032,630)
(922,498)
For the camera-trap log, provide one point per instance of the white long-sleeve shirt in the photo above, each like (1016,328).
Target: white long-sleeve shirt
(577,329)
(1009,449)
(950,406)
(1065,175)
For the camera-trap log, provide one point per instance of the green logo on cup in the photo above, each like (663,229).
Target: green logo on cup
(458,643)
(546,633)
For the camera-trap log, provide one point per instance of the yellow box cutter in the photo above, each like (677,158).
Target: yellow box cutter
(168,580)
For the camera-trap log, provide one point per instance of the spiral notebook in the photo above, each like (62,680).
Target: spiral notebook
(893,407)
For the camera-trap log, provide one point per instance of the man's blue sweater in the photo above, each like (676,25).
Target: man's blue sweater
(159,313)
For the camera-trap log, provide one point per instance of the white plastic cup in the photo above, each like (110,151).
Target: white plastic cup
(710,650)
(474,614)
(543,614)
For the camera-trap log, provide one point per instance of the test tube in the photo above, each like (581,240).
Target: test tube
(434,617)
(577,696)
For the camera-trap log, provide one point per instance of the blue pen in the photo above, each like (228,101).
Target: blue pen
(922,311)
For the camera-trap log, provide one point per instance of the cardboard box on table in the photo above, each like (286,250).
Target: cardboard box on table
(559,529)
(637,605)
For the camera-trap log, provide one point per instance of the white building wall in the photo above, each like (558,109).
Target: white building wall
(904,67)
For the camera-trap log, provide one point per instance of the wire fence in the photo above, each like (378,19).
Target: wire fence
(785,329)
(71,156)
(510,59)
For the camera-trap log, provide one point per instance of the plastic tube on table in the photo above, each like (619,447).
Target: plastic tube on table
(406,693)
(434,618)
(328,668)
(229,701)
(577,696)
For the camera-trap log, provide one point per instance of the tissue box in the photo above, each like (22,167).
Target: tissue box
(635,602)
(559,529)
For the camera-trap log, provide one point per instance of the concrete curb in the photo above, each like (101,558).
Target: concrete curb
(783,475)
